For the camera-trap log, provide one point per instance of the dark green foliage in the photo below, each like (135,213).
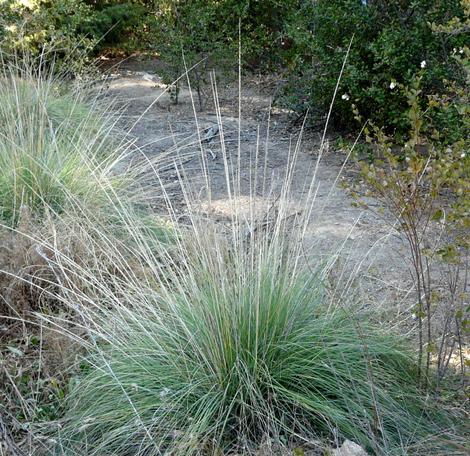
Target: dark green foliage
(191,29)
(209,32)
(390,39)
(53,29)
(166,26)
(262,25)
(116,24)
(71,30)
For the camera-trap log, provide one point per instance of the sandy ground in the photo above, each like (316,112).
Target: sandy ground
(372,254)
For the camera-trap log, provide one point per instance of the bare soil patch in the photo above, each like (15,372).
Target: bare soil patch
(370,249)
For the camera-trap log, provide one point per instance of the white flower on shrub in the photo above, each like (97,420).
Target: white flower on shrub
(463,155)
(393,84)
(345,96)
(423,64)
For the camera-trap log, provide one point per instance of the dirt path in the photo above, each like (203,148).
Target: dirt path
(368,244)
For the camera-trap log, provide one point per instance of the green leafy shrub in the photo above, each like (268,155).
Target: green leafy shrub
(390,41)
(423,184)
(121,25)
(53,29)
(427,180)
(209,32)
(262,30)
(191,31)
(201,29)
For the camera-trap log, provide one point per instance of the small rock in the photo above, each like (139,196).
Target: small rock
(349,448)
(210,133)
(148,77)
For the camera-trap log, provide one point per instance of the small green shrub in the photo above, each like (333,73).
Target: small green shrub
(209,33)
(192,30)
(421,183)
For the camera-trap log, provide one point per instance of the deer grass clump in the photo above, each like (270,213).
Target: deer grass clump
(228,342)
(55,144)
